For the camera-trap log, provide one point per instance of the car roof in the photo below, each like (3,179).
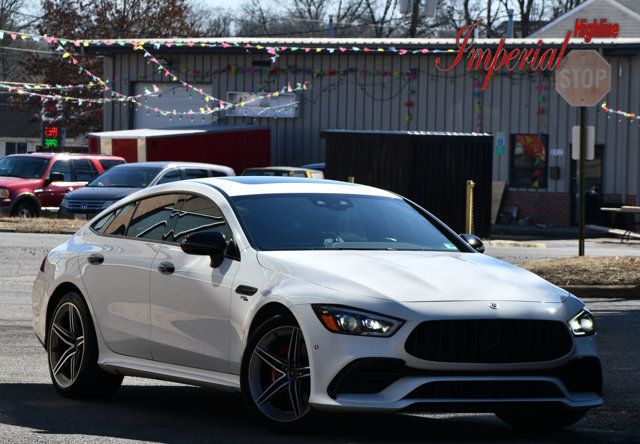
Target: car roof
(255,185)
(69,155)
(277,168)
(171,164)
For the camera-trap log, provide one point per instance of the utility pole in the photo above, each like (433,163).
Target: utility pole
(415,15)
(330,30)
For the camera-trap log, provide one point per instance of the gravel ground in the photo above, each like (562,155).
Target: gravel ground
(152,411)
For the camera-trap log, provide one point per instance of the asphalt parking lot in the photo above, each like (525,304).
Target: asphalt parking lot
(144,410)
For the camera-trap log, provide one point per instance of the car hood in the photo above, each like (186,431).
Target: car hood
(411,276)
(101,193)
(16,182)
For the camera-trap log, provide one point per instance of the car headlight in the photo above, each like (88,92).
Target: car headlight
(583,324)
(4,193)
(107,204)
(351,321)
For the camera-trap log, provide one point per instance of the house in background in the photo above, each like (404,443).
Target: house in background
(19,130)
(624,12)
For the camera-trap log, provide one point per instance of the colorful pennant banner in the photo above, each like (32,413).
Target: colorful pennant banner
(274,51)
(619,113)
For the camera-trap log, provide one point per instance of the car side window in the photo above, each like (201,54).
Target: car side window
(195,173)
(153,218)
(216,173)
(170,176)
(64,167)
(197,213)
(116,222)
(108,163)
(85,171)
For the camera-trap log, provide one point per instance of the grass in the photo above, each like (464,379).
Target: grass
(40,225)
(618,270)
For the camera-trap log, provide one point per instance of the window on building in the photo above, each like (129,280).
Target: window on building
(15,148)
(529,154)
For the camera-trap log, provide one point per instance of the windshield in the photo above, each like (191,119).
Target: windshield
(333,221)
(24,167)
(126,177)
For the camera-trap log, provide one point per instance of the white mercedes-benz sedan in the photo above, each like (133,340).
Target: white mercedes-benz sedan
(310,295)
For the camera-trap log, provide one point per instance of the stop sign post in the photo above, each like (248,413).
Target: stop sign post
(583,80)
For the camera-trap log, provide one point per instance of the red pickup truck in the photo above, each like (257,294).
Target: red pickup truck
(30,183)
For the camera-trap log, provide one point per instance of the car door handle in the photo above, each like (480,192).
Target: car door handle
(95,259)
(166,268)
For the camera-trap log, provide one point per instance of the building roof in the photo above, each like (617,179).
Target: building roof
(624,12)
(147,132)
(226,44)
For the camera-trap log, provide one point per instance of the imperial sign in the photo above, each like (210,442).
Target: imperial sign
(584,79)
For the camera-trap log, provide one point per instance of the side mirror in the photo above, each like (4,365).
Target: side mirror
(474,241)
(206,243)
(54,177)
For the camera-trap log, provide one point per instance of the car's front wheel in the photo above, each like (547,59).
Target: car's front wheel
(72,349)
(275,376)
(541,419)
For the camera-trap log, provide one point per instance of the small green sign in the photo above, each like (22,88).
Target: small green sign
(499,141)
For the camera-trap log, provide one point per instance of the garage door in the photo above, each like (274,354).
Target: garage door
(174,97)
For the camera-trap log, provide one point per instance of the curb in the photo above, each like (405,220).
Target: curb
(604,291)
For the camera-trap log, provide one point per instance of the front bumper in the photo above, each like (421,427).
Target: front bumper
(377,374)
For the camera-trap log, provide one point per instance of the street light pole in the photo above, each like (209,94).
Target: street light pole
(583,144)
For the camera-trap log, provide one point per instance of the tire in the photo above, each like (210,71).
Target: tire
(541,419)
(72,351)
(275,382)
(25,209)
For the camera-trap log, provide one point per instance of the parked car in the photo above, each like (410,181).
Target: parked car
(284,171)
(125,179)
(316,166)
(310,295)
(31,183)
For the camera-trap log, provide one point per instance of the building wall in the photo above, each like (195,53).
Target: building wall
(453,101)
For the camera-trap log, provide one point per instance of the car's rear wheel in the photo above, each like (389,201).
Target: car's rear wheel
(72,349)
(276,376)
(25,210)
(541,419)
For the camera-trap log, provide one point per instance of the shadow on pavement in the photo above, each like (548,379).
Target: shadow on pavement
(190,414)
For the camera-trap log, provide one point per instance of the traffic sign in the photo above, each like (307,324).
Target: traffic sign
(584,79)
(590,151)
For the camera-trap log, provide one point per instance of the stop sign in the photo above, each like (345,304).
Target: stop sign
(584,79)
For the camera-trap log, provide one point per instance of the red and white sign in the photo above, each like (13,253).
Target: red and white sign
(584,79)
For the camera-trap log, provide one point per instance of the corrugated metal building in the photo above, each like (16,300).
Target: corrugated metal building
(376,90)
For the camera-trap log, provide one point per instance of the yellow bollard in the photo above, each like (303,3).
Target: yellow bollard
(468,223)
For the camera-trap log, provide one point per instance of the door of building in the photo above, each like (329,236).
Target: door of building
(592,188)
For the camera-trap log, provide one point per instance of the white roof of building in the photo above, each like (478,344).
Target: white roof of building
(148,132)
(373,43)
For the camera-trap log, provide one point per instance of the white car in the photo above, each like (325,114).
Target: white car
(310,295)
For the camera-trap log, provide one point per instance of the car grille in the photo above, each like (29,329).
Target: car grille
(489,341)
(85,205)
(486,390)
(372,375)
